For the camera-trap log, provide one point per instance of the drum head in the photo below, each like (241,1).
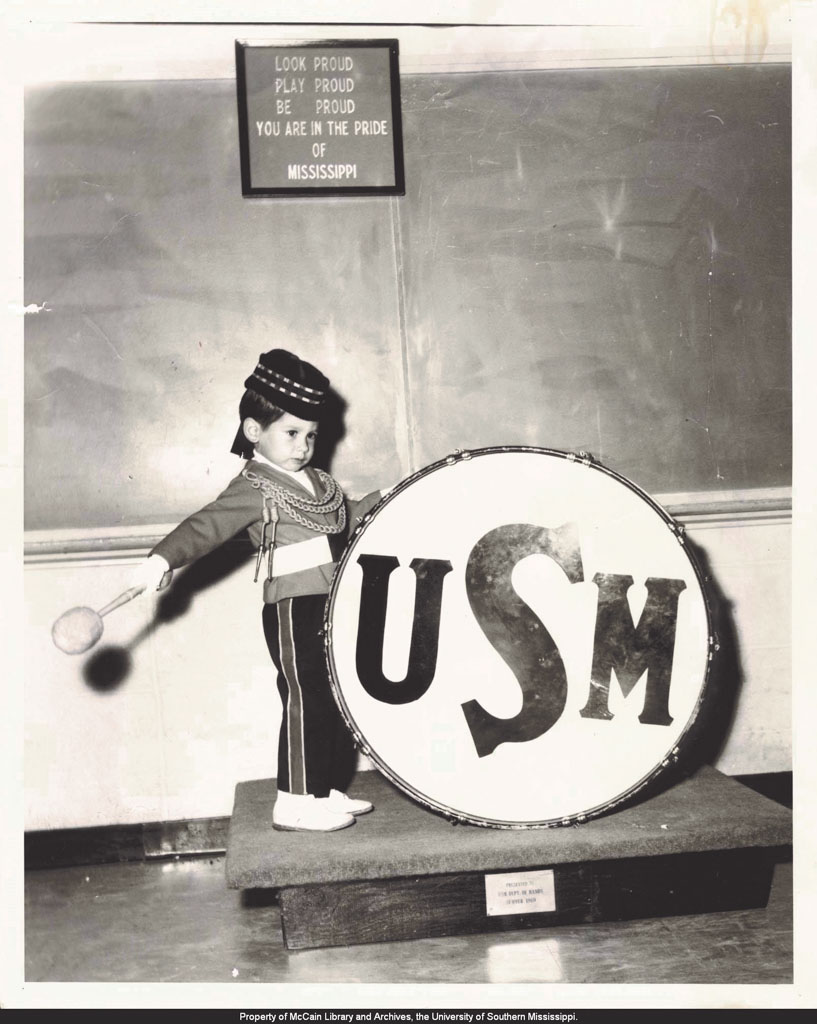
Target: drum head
(518,638)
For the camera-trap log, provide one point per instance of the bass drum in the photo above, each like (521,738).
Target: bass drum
(518,638)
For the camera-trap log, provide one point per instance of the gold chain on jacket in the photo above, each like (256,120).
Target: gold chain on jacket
(293,504)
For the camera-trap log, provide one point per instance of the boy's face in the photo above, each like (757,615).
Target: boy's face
(288,442)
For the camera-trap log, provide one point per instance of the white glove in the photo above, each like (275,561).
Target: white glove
(150,574)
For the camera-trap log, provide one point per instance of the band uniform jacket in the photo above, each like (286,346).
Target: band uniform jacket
(303,560)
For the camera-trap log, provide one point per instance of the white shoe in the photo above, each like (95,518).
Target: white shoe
(342,803)
(296,812)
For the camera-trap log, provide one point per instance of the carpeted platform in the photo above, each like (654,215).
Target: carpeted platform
(706,812)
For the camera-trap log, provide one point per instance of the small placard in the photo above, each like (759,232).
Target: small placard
(320,118)
(522,892)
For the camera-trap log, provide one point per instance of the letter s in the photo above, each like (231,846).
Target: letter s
(516,632)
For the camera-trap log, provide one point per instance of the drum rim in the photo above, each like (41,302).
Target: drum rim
(648,781)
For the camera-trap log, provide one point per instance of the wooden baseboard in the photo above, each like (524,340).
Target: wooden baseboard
(104,844)
(776,786)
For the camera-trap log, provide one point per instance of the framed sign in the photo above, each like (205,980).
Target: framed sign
(320,118)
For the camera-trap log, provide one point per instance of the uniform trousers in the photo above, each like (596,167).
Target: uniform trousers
(315,748)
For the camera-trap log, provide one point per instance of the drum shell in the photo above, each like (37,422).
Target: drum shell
(594,755)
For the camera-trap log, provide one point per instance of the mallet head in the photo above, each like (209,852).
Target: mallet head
(77,630)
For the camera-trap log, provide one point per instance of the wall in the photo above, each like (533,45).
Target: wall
(582,259)
(163,285)
(176,704)
(596,257)
(588,260)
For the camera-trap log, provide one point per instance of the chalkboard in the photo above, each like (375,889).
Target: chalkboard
(601,260)
(582,259)
(320,118)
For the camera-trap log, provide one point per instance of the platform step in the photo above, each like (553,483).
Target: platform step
(706,844)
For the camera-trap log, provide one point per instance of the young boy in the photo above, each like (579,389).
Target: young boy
(296,516)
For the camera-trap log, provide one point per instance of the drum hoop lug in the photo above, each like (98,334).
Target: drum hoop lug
(458,455)
(359,743)
(678,529)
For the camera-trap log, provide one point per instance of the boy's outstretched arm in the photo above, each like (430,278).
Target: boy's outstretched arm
(236,508)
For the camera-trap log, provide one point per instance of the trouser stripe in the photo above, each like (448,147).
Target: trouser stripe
(295,702)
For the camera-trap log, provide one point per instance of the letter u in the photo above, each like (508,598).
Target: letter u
(425,629)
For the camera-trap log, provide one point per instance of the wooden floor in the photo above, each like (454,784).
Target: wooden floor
(175,921)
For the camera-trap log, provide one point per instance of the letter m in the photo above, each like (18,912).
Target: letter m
(633,649)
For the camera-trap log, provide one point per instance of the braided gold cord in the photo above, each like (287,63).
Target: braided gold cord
(293,504)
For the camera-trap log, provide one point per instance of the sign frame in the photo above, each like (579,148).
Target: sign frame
(250,190)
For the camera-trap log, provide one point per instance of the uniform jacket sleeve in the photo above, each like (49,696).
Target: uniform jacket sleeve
(232,511)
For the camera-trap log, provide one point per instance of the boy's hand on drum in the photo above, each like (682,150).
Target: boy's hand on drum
(152,574)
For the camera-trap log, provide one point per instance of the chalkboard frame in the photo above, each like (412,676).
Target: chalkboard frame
(248,190)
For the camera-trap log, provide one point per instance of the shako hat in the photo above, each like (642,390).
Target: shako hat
(289,383)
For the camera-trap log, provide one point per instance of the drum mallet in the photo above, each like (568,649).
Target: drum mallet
(78,629)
